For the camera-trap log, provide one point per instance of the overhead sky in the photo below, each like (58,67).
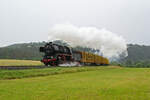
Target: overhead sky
(30,20)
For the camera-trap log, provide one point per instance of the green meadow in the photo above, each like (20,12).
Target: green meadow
(76,83)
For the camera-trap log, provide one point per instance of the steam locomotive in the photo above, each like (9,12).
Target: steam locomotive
(55,55)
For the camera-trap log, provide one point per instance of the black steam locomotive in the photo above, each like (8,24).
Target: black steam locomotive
(55,54)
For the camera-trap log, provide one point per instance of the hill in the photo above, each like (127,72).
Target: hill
(138,52)
(30,51)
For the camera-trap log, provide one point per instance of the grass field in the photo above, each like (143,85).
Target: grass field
(11,62)
(97,83)
(17,74)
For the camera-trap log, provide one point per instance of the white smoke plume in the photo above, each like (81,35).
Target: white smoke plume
(109,44)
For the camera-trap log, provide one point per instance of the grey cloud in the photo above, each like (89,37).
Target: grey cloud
(30,20)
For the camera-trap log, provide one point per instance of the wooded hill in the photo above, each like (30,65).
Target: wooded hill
(31,51)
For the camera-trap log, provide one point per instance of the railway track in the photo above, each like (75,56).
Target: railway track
(22,67)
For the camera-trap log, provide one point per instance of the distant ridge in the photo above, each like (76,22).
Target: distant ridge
(30,51)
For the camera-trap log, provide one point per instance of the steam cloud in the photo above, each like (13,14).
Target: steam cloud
(109,44)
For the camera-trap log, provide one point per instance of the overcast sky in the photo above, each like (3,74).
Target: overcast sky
(30,20)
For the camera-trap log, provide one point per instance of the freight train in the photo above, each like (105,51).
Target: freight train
(55,54)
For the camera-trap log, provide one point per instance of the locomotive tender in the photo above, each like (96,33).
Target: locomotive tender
(55,54)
